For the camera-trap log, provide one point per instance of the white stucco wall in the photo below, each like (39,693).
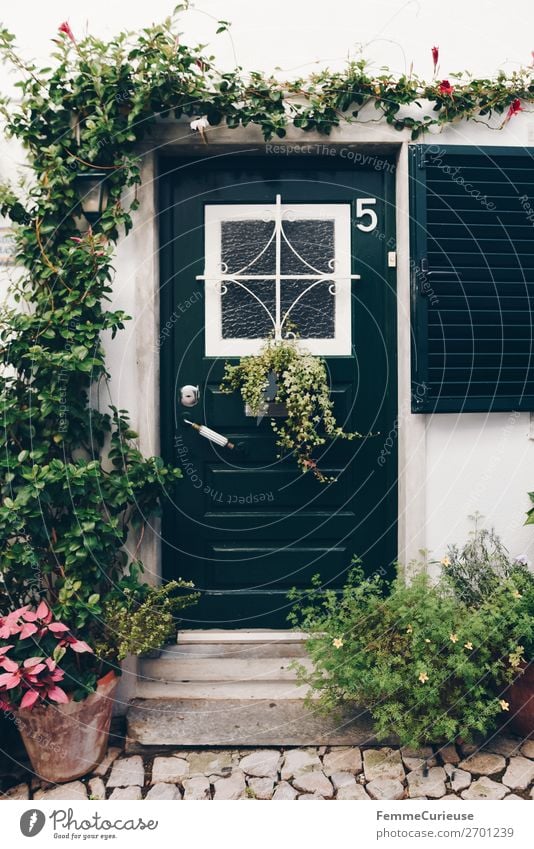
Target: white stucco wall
(473,462)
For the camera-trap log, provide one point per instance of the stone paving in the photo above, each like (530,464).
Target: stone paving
(502,769)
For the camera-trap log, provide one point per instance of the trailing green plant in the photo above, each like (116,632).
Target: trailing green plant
(428,666)
(301,386)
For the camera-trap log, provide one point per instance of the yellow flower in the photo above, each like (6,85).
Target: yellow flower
(468,645)
(427,641)
(516,657)
(445,561)
(516,594)
(423,677)
(453,638)
(504,705)
(409,629)
(337,643)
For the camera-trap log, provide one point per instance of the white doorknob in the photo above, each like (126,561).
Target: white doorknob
(189,395)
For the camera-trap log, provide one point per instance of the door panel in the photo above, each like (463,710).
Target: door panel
(244,525)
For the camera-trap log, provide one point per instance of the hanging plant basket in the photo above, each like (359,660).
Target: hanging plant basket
(270,409)
(290,386)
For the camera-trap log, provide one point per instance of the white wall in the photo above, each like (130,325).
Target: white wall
(474,462)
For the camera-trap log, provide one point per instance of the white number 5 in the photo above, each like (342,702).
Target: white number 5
(361,203)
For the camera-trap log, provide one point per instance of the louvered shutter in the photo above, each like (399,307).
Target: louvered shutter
(472,277)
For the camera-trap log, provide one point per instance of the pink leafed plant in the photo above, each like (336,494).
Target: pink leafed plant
(29,663)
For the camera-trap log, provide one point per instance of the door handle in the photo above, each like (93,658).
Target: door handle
(210,434)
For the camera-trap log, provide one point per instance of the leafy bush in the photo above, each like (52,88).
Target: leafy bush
(138,619)
(427,665)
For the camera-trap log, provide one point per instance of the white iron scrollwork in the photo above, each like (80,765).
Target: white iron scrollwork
(245,275)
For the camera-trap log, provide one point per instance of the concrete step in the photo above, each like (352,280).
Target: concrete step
(217,690)
(239,635)
(235,649)
(220,687)
(154,724)
(175,669)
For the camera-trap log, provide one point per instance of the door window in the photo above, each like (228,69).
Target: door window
(277,271)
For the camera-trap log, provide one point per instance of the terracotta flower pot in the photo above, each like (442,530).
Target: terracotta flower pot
(67,741)
(521,699)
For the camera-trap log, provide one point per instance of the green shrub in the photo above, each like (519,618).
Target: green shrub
(427,666)
(140,618)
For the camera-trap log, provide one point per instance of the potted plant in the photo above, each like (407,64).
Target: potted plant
(429,664)
(298,381)
(59,690)
(477,572)
(40,660)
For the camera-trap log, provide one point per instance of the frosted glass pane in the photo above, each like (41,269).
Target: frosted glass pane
(242,242)
(313,315)
(248,250)
(312,244)
(242,316)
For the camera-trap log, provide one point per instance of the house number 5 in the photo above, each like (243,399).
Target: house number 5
(370,214)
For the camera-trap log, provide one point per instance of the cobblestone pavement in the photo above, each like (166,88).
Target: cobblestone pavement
(501,769)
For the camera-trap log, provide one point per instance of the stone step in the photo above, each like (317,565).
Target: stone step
(239,635)
(155,724)
(217,690)
(235,649)
(212,669)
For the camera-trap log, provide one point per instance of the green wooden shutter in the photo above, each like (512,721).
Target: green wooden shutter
(472,278)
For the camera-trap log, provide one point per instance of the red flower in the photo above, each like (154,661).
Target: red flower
(446,88)
(435,57)
(65,28)
(515,107)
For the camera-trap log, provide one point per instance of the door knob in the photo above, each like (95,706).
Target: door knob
(189,395)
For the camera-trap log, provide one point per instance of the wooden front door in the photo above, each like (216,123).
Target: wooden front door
(244,526)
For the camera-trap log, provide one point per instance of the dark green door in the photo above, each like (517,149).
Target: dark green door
(244,526)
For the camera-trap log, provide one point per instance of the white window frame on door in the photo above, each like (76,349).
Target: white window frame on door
(215,275)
